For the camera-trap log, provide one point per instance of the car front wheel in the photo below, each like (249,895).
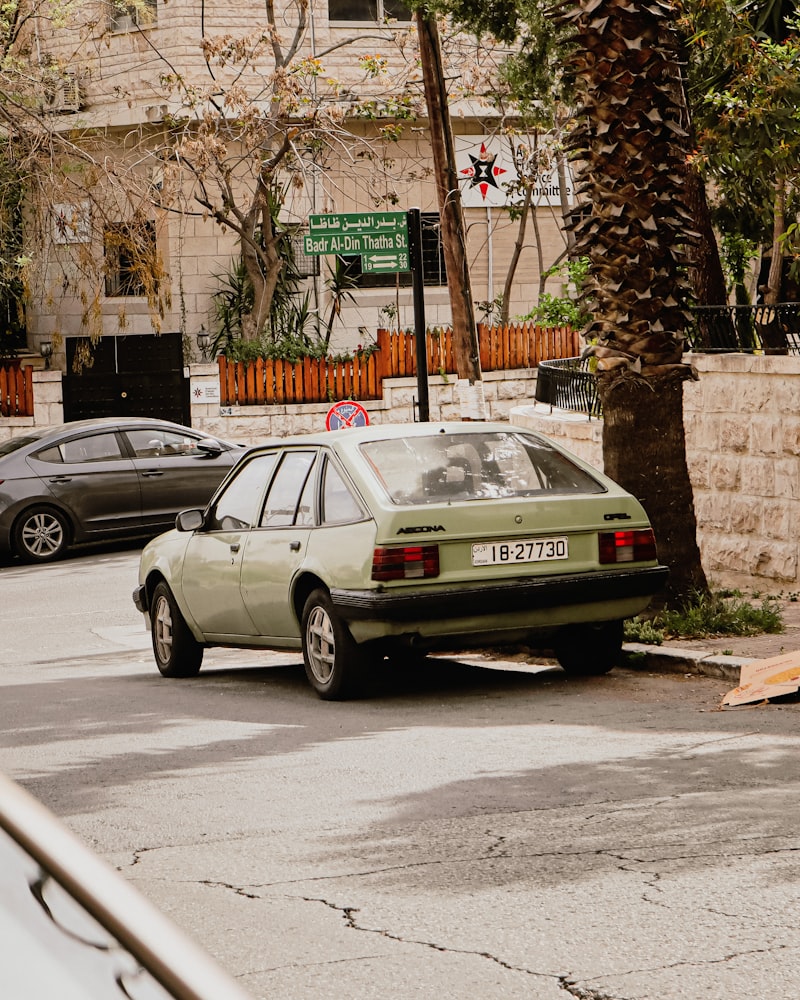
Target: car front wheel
(333,661)
(41,535)
(589,649)
(177,652)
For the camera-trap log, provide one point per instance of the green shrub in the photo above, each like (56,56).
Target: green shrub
(705,615)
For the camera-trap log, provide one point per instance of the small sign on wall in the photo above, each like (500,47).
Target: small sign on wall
(203,391)
(72,223)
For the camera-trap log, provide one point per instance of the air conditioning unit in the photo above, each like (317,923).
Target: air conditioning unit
(62,93)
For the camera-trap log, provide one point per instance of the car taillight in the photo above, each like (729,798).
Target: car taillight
(408,562)
(627,546)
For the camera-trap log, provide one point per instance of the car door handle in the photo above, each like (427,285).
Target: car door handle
(294,546)
(152,473)
(235,546)
(60,479)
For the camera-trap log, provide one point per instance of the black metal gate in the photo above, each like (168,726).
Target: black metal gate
(135,376)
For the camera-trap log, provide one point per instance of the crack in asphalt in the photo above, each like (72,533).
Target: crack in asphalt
(349,915)
(562,982)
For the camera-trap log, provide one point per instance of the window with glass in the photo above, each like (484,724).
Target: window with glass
(339,506)
(127,16)
(131,256)
(236,509)
(442,467)
(368,11)
(287,489)
(160,443)
(96,448)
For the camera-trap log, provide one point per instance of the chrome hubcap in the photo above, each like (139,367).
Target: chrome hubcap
(320,644)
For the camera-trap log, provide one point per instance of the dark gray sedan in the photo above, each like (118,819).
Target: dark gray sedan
(102,479)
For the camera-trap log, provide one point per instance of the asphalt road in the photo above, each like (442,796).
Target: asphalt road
(464,832)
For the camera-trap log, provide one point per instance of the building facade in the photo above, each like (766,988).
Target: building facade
(176,113)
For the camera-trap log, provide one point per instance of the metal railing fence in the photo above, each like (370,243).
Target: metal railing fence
(569,384)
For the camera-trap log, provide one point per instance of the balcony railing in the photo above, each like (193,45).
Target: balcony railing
(746,329)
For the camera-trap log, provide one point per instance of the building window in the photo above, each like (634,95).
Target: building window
(368,10)
(131,256)
(127,16)
(304,265)
(433,270)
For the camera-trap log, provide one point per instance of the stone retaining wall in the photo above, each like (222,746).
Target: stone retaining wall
(742,423)
(502,391)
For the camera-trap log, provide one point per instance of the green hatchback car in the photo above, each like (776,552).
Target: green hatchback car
(372,542)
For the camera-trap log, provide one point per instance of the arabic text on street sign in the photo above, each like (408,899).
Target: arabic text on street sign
(380,237)
(356,223)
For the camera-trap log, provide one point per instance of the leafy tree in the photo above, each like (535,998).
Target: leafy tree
(745,98)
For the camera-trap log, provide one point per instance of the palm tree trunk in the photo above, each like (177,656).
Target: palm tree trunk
(644,450)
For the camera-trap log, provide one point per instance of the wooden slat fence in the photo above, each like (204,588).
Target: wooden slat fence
(521,345)
(307,381)
(16,391)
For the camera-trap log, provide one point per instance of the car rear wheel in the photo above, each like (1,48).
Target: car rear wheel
(333,661)
(589,649)
(177,652)
(41,535)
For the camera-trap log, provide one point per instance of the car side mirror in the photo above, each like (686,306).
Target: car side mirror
(210,449)
(189,520)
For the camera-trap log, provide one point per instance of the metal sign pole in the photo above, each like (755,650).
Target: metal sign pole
(420,330)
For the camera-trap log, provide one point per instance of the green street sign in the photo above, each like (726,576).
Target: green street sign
(397,261)
(381,238)
(347,244)
(356,223)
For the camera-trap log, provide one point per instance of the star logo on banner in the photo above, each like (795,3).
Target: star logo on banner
(483,173)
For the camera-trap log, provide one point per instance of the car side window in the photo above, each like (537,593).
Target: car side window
(338,504)
(283,499)
(94,448)
(305,509)
(237,506)
(160,443)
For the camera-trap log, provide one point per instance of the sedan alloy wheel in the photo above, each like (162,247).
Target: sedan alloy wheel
(41,535)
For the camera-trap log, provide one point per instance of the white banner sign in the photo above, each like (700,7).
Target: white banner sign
(487,168)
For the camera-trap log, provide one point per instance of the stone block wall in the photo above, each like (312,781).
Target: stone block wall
(254,424)
(742,421)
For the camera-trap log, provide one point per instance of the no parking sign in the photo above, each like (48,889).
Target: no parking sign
(346,413)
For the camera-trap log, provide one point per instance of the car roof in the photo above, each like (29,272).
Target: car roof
(122,422)
(379,432)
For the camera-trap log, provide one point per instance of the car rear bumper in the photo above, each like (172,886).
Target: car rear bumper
(502,597)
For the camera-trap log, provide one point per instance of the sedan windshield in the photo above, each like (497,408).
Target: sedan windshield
(442,467)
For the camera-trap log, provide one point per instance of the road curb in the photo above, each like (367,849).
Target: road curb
(673,659)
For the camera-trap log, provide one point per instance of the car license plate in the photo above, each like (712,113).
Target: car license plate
(520,551)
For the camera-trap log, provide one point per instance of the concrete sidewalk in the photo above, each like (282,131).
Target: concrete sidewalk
(719,657)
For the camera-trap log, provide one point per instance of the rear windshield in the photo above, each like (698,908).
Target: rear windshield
(14,444)
(472,466)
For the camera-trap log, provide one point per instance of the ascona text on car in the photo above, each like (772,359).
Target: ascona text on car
(363,543)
